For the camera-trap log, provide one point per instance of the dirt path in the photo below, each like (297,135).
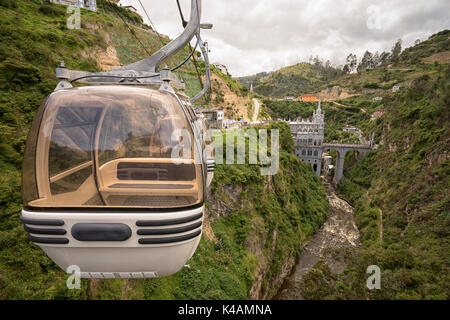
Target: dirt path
(338,231)
(256,111)
(361,138)
(341,105)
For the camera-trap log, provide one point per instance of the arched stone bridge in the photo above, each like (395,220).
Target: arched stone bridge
(308,135)
(342,149)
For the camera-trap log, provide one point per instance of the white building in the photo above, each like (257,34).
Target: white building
(396,88)
(222,68)
(214,118)
(327,166)
(131,8)
(87,4)
(350,129)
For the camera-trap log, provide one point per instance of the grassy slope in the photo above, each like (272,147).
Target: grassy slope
(227,94)
(34,38)
(409,67)
(248,80)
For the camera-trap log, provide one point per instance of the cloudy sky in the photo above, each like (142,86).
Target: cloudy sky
(251,36)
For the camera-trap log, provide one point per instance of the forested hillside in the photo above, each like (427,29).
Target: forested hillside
(401,198)
(400,191)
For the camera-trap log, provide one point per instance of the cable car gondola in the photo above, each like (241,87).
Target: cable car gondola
(109,184)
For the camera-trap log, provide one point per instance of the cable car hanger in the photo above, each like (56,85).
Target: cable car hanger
(144,72)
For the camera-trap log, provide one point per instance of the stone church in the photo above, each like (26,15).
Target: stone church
(308,135)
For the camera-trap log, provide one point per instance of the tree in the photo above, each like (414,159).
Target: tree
(346,69)
(365,62)
(375,61)
(396,50)
(417,42)
(385,58)
(317,62)
(352,62)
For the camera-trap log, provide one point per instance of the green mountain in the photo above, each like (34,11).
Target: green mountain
(304,78)
(292,81)
(437,47)
(401,199)
(255,225)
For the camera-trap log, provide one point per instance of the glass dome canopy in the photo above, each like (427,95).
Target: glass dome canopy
(111,146)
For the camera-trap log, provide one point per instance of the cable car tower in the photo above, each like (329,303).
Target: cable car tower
(115,173)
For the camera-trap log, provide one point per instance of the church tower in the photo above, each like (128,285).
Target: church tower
(319,116)
(308,138)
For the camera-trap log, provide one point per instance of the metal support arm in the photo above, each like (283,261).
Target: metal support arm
(145,71)
(208,70)
(192,28)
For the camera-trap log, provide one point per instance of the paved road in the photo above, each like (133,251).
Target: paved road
(256,111)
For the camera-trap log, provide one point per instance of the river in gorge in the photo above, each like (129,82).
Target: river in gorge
(338,231)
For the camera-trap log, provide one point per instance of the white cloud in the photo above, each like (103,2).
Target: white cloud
(252,36)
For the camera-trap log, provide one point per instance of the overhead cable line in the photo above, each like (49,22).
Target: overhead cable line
(184,23)
(157,74)
(127,25)
(151,23)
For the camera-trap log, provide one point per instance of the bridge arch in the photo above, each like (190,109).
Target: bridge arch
(341,150)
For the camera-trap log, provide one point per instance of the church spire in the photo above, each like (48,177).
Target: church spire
(319,109)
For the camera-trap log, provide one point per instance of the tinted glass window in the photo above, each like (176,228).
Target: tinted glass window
(112,146)
(72,137)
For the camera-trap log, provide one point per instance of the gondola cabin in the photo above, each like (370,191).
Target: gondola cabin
(115,174)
